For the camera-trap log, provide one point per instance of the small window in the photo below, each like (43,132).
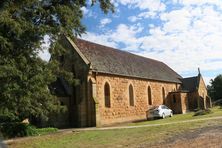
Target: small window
(149,96)
(107,95)
(131,95)
(174,99)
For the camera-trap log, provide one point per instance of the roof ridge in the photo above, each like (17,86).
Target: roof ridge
(118,50)
(190,77)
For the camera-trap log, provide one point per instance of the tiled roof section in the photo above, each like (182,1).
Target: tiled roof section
(190,84)
(113,61)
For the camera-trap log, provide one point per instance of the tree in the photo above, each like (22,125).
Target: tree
(215,87)
(24,77)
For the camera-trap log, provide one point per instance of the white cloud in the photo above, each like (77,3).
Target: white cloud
(122,34)
(44,55)
(88,12)
(133,18)
(100,39)
(85,10)
(142,15)
(199,2)
(151,5)
(187,38)
(150,8)
(44,52)
(147,14)
(115,3)
(104,22)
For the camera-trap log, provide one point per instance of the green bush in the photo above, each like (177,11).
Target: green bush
(7,117)
(202,112)
(13,129)
(17,129)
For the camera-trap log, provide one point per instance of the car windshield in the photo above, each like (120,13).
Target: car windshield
(164,107)
(154,107)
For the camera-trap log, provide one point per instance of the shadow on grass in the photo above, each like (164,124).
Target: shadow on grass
(203,112)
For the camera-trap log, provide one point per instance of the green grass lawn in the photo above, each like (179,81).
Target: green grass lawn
(216,111)
(120,137)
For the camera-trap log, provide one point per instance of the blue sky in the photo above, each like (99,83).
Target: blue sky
(185,34)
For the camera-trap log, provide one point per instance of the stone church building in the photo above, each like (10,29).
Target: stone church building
(116,86)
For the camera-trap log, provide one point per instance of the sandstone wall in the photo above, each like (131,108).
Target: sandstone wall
(202,88)
(120,110)
(174,102)
(193,99)
(78,103)
(184,102)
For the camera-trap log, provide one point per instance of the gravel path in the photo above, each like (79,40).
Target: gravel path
(207,137)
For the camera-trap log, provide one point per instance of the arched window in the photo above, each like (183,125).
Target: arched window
(149,96)
(107,94)
(131,95)
(163,94)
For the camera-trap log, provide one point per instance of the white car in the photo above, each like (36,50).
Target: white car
(160,111)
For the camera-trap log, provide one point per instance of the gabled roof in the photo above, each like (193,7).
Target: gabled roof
(108,60)
(190,84)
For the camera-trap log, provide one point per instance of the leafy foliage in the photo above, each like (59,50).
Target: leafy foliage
(215,87)
(16,129)
(24,77)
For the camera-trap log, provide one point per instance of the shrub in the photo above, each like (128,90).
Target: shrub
(13,129)
(7,117)
(202,112)
(17,129)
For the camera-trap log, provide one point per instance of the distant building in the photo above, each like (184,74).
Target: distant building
(116,86)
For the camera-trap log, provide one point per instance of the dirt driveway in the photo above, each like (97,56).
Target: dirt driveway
(207,137)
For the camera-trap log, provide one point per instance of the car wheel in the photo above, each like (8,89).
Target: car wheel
(163,116)
(171,114)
